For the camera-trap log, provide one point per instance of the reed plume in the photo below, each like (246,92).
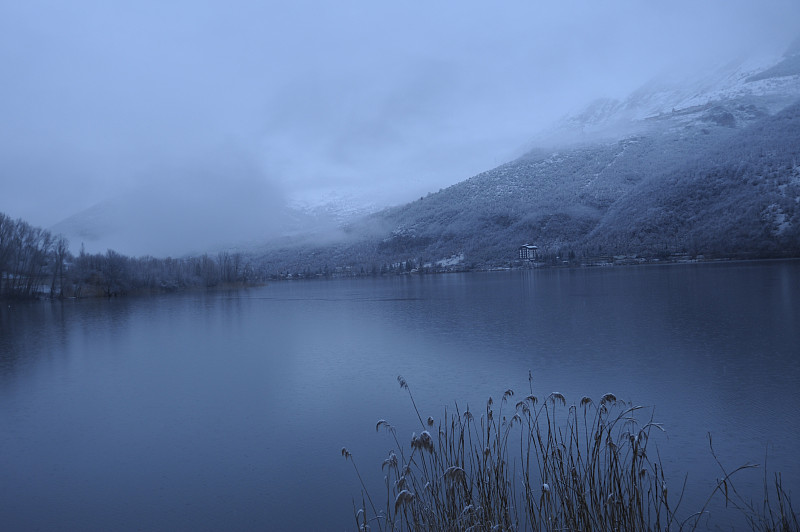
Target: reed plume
(549,467)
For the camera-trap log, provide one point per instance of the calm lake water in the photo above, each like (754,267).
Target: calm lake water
(228,410)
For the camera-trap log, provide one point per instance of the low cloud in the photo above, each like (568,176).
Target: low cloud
(392,100)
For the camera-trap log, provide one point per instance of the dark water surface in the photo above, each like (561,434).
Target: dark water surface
(228,410)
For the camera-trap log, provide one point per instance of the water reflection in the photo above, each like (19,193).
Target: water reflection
(228,410)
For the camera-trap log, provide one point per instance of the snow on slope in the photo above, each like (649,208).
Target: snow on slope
(684,98)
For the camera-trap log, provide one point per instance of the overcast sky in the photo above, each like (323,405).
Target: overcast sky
(398,98)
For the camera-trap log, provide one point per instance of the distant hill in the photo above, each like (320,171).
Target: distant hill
(217,214)
(708,166)
(712,169)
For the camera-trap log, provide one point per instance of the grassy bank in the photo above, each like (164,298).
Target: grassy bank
(537,463)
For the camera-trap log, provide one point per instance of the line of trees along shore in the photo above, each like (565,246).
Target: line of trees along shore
(35,263)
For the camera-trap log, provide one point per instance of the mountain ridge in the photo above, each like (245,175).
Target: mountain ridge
(616,177)
(715,175)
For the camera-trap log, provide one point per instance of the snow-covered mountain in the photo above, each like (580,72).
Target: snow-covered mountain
(338,205)
(768,83)
(593,181)
(710,166)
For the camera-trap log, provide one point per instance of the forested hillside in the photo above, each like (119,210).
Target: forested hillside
(741,197)
(718,180)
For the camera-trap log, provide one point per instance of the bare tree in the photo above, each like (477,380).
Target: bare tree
(60,253)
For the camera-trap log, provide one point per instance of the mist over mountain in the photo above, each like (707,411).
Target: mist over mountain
(220,203)
(704,168)
(707,166)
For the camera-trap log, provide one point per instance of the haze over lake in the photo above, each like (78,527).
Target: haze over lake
(228,410)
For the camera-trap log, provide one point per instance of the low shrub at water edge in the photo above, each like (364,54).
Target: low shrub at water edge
(537,464)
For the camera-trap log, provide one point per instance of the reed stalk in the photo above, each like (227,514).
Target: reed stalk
(544,465)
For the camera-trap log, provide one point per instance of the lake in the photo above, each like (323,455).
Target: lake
(227,410)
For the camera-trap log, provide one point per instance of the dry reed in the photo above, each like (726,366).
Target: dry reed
(542,465)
